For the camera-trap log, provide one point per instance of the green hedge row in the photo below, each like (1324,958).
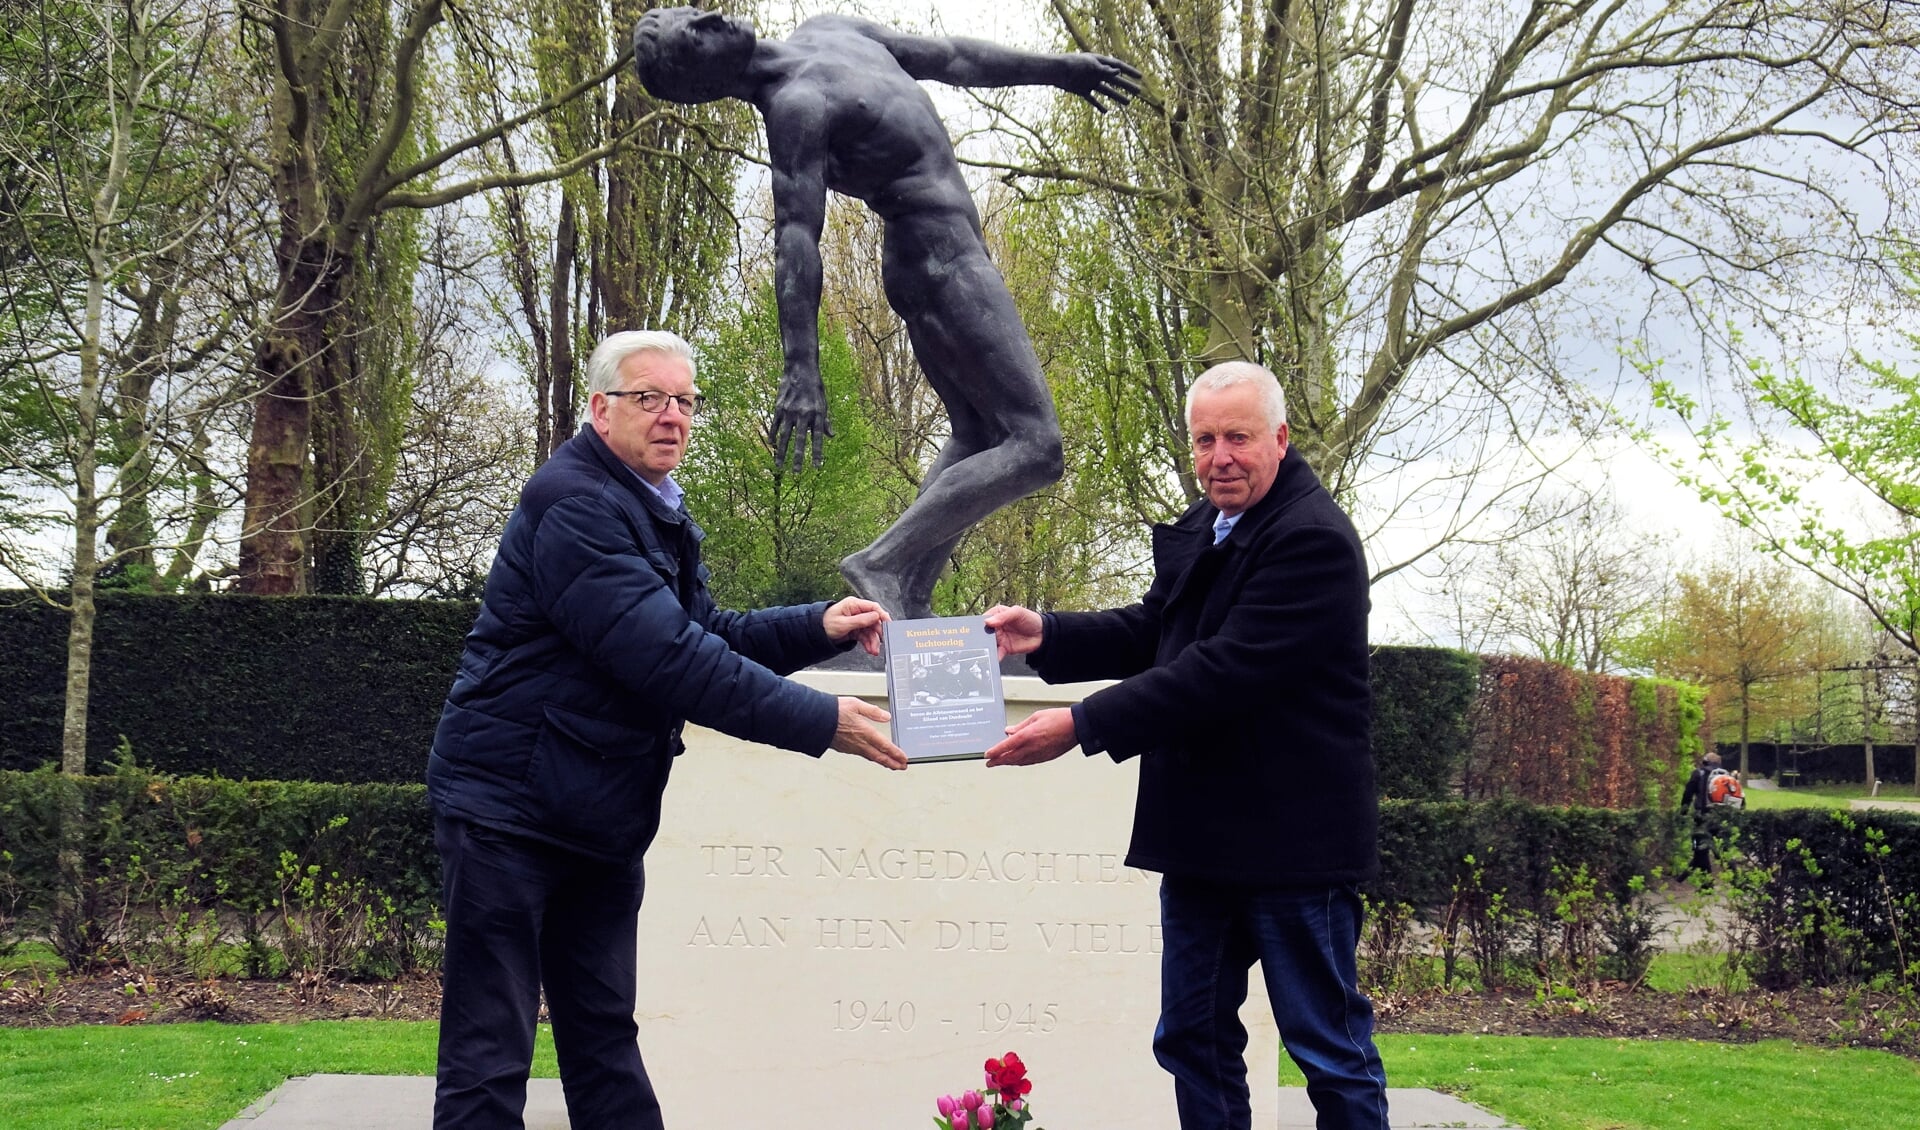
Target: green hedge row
(310,688)
(263,862)
(1824,896)
(349,689)
(342,879)
(337,879)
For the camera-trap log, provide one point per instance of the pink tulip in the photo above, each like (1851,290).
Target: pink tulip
(946,1106)
(984,1117)
(970,1100)
(1017,1105)
(960,1120)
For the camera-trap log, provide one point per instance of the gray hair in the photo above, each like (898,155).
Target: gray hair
(603,368)
(1273,401)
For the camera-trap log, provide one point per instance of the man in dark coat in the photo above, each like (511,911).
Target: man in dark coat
(1694,799)
(1243,688)
(596,642)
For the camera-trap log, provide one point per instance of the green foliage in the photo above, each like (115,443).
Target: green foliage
(241,686)
(777,535)
(1825,896)
(1431,850)
(1866,431)
(1422,722)
(252,686)
(334,880)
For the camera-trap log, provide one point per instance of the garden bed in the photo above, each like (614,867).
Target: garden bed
(1831,1017)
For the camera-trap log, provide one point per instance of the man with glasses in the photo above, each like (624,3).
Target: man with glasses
(1243,691)
(597,641)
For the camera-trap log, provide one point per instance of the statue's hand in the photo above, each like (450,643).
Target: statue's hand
(1094,77)
(800,412)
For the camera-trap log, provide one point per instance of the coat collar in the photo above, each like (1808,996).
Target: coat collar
(625,477)
(1293,481)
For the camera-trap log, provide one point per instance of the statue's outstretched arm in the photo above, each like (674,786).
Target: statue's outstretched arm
(958,61)
(796,147)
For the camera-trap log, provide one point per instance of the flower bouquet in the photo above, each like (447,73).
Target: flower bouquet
(1000,1105)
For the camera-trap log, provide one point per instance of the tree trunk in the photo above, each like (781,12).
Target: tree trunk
(1866,730)
(279,500)
(566,245)
(1746,721)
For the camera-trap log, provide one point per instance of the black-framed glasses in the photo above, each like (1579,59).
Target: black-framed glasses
(653,400)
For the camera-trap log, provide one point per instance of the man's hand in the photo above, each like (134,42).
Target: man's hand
(1017,630)
(856,737)
(799,413)
(856,617)
(1094,77)
(1042,736)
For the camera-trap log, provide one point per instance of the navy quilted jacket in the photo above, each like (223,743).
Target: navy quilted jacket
(596,641)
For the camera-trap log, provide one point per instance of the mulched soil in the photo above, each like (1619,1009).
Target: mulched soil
(1830,1017)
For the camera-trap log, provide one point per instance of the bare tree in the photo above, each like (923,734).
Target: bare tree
(1573,591)
(131,315)
(1386,201)
(344,147)
(468,445)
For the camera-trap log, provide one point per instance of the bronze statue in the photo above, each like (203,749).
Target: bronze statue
(844,111)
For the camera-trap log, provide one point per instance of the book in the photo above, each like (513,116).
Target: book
(943,687)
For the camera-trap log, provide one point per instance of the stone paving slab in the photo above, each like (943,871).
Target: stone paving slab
(405,1102)
(1409,1108)
(376,1102)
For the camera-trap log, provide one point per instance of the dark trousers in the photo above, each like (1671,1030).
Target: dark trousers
(1304,940)
(522,914)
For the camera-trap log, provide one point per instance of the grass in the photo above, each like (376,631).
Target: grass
(1680,970)
(1825,796)
(1602,1084)
(196,1076)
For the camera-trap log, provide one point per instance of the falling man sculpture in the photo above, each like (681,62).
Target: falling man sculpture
(844,111)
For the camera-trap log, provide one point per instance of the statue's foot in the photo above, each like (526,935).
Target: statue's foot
(881,586)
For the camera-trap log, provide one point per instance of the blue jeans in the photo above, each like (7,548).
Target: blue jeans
(1304,940)
(522,915)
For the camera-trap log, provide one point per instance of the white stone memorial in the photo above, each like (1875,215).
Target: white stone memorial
(825,937)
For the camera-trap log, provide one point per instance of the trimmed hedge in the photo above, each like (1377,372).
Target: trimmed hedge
(1516,847)
(1552,735)
(255,857)
(1826,896)
(338,879)
(349,689)
(1422,709)
(310,688)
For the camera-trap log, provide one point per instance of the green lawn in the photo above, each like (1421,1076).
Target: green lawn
(1601,1084)
(196,1076)
(1825,796)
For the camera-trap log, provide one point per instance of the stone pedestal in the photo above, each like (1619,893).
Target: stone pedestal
(824,935)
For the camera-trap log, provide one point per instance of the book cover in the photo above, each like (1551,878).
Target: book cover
(943,687)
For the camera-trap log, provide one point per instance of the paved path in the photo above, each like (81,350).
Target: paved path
(404,1102)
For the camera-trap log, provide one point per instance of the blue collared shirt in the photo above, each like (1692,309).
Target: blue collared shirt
(668,491)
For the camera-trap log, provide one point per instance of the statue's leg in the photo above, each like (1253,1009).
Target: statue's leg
(969,341)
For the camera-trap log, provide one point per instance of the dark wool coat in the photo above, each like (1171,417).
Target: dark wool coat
(596,641)
(1244,690)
